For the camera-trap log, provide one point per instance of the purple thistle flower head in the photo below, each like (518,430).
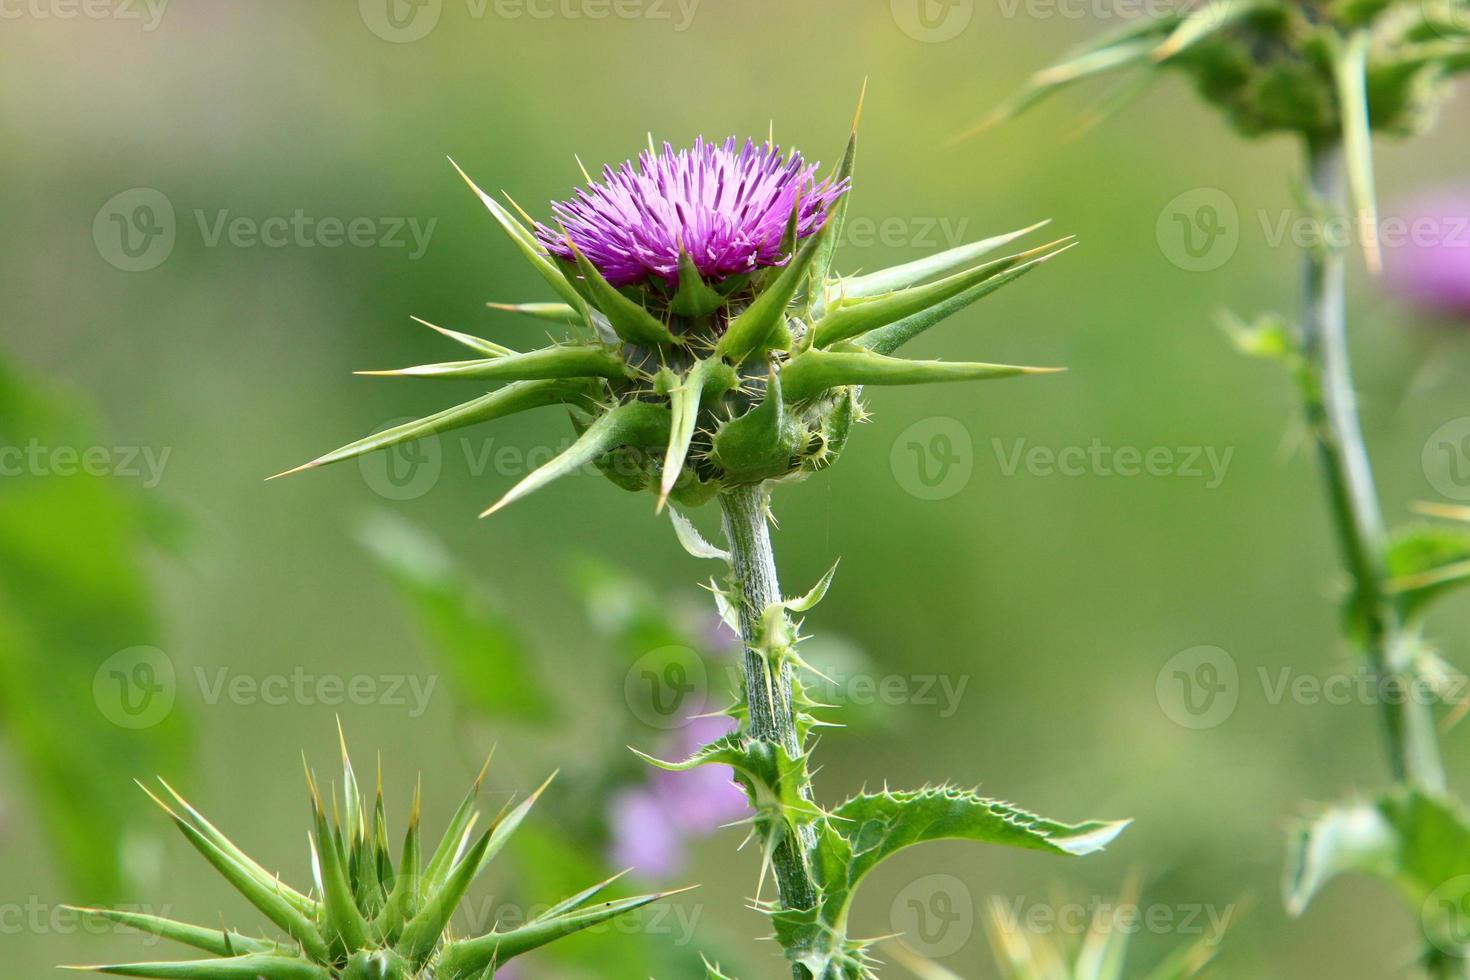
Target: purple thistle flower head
(727,207)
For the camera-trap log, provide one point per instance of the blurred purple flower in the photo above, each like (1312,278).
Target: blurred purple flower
(727,208)
(1431,264)
(652,823)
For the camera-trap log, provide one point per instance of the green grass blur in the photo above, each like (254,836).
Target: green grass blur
(1056,598)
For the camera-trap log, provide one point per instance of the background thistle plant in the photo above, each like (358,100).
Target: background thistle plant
(1333,74)
(1330,72)
(369,916)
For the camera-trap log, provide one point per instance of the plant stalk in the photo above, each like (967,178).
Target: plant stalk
(768,691)
(1352,496)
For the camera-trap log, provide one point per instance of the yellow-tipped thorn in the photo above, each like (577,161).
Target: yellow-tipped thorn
(296,469)
(857,116)
(582,167)
(493,508)
(465,177)
(519,210)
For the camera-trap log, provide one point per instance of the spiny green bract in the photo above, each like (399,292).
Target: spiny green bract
(367,918)
(691,388)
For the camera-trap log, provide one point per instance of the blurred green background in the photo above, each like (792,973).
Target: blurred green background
(1056,599)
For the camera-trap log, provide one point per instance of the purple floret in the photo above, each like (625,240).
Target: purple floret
(728,208)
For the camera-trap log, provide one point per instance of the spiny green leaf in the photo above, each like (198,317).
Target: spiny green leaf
(837,216)
(343,921)
(628,319)
(253,967)
(708,378)
(532,250)
(265,895)
(216,941)
(581,898)
(216,837)
(633,424)
(487,347)
(753,328)
(1357,837)
(560,361)
(508,822)
(849,317)
(404,899)
(517,397)
(1426,563)
(555,312)
(817,594)
(879,825)
(886,340)
(714,972)
(422,934)
(464,959)
(456,835)
(692,541)
(812,372)
(868,829)
(930,267)
(1134,46)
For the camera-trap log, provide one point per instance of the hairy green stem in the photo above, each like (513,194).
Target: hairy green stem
(768,687)
(1332,414)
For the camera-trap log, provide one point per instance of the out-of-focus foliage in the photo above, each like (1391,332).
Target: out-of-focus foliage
(86,698)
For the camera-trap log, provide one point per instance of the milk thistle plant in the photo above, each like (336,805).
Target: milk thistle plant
(1333,74)
(714,353)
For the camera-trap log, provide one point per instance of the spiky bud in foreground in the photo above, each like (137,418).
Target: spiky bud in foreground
(1331,71)
(367,918)
(714,347)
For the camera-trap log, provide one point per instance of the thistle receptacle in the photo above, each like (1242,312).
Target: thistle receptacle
(369,916)
(713,345)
